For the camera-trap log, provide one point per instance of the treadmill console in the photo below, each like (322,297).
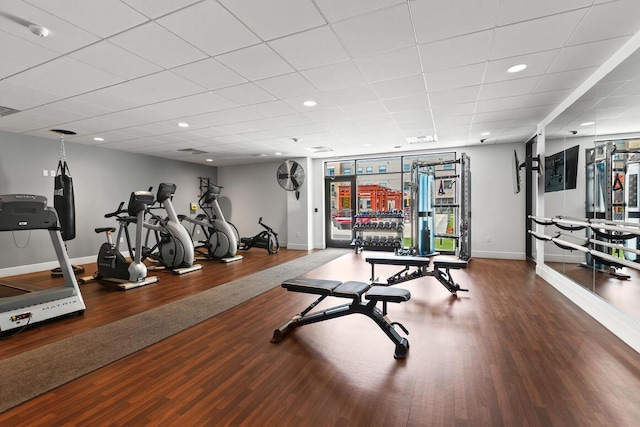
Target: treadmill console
(26,212)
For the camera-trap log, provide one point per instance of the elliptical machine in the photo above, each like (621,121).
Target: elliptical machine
(220,236)
(173,247)
(112,265)
(267,239)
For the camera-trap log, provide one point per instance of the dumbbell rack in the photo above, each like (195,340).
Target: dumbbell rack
(378,231)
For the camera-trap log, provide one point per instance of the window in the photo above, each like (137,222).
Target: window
(347,171)
(382,169)
(369,169)
(359,170)
(331,171)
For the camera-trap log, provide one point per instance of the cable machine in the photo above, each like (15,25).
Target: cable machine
(437,188)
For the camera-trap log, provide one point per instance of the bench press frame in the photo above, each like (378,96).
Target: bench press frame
(355,291)
(441,270)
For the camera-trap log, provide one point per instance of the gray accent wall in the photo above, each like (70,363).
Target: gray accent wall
(101,177)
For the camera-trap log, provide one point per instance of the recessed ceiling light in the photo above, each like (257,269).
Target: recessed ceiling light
(97,138)
(485,133)
(209,160)
(309,103)
(587,123)
(183,124)
(516,68)
(278,153)
(366,145)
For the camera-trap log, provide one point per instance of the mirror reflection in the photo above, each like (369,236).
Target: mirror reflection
(591,169)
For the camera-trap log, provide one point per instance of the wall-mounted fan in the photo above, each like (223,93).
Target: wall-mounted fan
(290,176)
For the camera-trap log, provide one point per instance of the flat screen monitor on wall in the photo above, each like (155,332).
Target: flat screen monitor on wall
(517,185)
(561,170)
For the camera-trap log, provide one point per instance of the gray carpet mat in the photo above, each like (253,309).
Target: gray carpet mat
(40,370)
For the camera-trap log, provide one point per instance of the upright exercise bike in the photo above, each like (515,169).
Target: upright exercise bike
(172,246)
(220,236)
(112,265)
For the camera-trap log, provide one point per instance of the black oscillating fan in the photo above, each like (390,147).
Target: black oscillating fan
(290,176)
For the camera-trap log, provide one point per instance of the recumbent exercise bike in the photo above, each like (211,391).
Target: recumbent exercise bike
(267,239)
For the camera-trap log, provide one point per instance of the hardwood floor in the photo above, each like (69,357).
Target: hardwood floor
(512,352)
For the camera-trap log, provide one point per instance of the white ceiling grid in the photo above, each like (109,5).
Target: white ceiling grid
(238,71)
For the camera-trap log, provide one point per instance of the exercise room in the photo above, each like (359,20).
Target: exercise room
(320,213)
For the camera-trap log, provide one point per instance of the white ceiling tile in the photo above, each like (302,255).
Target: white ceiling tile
(8,68)
(275,18)
(508,88)
(245,94)
(101,99)
(586,55)
(63,37)
(608,20)
(287,86)
(336,76)
(396,88)
(537,64)
(272,109)
(563,80)
(326,115)
(65,77)
(391,65)
(457,51)
(154,43)
(103,18)
(523,10)
(310,49)
(323,100)
(210,74)
(243,62)
(547,98)
(499,104)
(351,95)
(335,10)
(448,110)
(377,32)
(551,32)
(209,27)
(441,19)
(411,102)
(22,53)
(468,75)
(493,116)
(412,116)
(454,96)
(115,60)
(154,88)
(363,109)
(157,8)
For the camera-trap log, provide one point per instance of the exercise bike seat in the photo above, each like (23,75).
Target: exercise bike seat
(104,229)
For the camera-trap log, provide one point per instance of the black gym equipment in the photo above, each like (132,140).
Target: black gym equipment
(267,239)
(21,305)
(420,264)
(112,265)
(220,236)
(354,291)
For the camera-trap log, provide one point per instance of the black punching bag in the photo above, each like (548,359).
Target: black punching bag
(63,201)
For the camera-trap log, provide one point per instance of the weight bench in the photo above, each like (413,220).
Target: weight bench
(354,291)
(441,269)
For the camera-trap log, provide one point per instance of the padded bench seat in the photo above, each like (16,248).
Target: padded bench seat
(454,264)
(390,259)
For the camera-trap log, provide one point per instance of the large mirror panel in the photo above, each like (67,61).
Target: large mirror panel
(592,165)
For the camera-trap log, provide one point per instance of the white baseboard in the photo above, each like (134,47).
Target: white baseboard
(298,247)
(43,266)
(497,255)
(622,325)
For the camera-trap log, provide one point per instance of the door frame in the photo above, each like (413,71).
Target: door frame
(328,180)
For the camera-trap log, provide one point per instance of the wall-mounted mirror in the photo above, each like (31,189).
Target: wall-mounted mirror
(592,165)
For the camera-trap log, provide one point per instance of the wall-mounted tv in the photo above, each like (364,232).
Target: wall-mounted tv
(561,170)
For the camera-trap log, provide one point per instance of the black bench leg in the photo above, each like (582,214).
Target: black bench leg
(445,278)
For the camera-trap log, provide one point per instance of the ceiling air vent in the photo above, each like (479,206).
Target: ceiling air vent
(5,111)
(192,151)
(320,149)
(422,139)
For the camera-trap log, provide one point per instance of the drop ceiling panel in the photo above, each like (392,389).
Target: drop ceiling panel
(335,10)
(22,53)
(272,109)
(209,27)
(115,60)
(417,101)
(537,64)
(442,19)
(457,51)
(23,97)
(157,8)
(336,76)
(351,95)
(391,65)
(209,74)
(608,20)
(523,10)
(287,86)
(363,109)
(551,32)
(508,88)
(158,45)
(275,18)
(310,49)
(564,80)
(468,75)
(243,62)
(586,55)
(499,104)
(454,96)
(103,18)
(377,32)
(245,94)
(396,88)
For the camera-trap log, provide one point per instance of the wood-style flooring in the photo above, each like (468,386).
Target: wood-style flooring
(510,352)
